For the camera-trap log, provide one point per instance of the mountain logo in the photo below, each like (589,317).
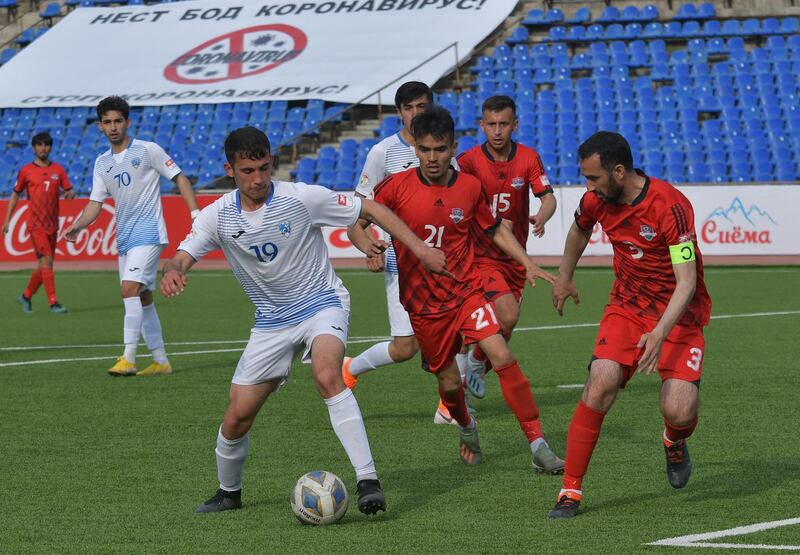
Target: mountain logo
(738,224)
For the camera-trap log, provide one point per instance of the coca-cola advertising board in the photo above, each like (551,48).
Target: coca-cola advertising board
(729,219)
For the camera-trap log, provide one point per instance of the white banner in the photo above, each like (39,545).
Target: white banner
(729,220)
(221,51)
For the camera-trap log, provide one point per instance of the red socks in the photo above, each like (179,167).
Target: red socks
(456,405)
(33,283)
(49,280)
(519,398)
(584,430)
(673,433)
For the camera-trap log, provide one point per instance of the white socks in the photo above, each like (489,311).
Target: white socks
(372,358)
(349,427)
(132,326)
(461,362)
(231,454)
(151,329)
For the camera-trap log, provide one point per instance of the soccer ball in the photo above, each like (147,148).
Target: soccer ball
(319,498)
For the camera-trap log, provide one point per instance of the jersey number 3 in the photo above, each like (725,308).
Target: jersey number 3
(266,252)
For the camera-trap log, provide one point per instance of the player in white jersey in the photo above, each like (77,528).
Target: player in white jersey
(129,172)
(392,155)
(270,233)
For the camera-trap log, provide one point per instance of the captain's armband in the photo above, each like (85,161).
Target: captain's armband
(682,253)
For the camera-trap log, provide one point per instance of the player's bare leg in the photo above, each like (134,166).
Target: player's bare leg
(451,393)
(233,444)
(153,338)
(518,396)
(605,379)
(327,352)
(679,401)
(506,309)
(399,349)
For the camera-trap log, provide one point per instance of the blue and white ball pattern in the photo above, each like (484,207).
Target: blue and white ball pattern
(319,498)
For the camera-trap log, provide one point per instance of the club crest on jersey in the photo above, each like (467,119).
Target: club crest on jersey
(54,177)
(136,162)
(456,214)
(285,228)
(518,183)
(647,232)
(345,200)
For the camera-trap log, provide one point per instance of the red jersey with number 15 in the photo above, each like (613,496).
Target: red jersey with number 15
(641,234)
(44,184)
(442,216)
(506,184)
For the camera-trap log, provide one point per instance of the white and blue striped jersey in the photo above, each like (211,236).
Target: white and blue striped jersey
(388,157)
(131,178)
(282,263)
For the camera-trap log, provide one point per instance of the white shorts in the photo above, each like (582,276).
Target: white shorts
(399,322)
(140,264)
(269,353)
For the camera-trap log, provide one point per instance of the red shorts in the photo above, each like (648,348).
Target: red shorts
(501,278)
(681,353)
(440,335)
(44,242)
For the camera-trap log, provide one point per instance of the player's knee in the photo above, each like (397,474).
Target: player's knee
(450,388)
(679,416)
(329,381)
(236,423)
(403,349)
(508,319)
(501,357)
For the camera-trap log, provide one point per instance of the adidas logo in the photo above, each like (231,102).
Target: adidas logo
(626,223)
(438,203)
(602,341)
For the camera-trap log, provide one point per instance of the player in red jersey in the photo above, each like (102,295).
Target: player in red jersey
(440,205)
(508,171)
(44,180)
(658,307)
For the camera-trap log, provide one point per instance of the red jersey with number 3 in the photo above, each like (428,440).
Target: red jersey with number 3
(44,184)
(440,215)
(641,234)
(506,184)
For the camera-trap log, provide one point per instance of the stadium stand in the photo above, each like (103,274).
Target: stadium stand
(702,97)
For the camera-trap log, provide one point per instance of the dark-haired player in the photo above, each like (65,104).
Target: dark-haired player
(270,233)
(129,172)
(509,172)
(44,180)
(441,205)
(659,305)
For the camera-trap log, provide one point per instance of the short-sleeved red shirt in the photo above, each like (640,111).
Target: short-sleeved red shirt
(44,184)
(506,184)
(442,217)
(641,234)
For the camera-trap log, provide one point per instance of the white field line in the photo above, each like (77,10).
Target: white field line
(701,540)
(353,340)
(570,386)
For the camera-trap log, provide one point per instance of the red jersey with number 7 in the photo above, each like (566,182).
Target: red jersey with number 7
(440,215)
(507,184)
(641,234)
(44,184)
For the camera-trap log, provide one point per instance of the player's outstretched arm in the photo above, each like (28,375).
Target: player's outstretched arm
(432,259)
(12,204)
(174,280)
(88,215)
(364,241)
(651,342)
(546,211)
(564,287)
(185,188)
(504,238)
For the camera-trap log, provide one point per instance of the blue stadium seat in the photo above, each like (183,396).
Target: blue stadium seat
(554,15)
(750,27)
(629,14)
(686,11)
(770,26)
(582,15)
(51,11)
(673,29)
(706,11)
(653,30)
(790,25)
(520,35)
(576,33)
(6,55)
(610,15)
(731,27)
(615,31)
(690,29)
(595,32)
(648,13)
(556,33)
(534,17)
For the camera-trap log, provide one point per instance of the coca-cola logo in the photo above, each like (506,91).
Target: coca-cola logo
(97,240)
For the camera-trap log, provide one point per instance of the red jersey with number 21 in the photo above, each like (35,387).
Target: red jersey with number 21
(440,215)
(641,234)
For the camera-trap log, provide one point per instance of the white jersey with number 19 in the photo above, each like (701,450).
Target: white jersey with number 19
(280,259)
